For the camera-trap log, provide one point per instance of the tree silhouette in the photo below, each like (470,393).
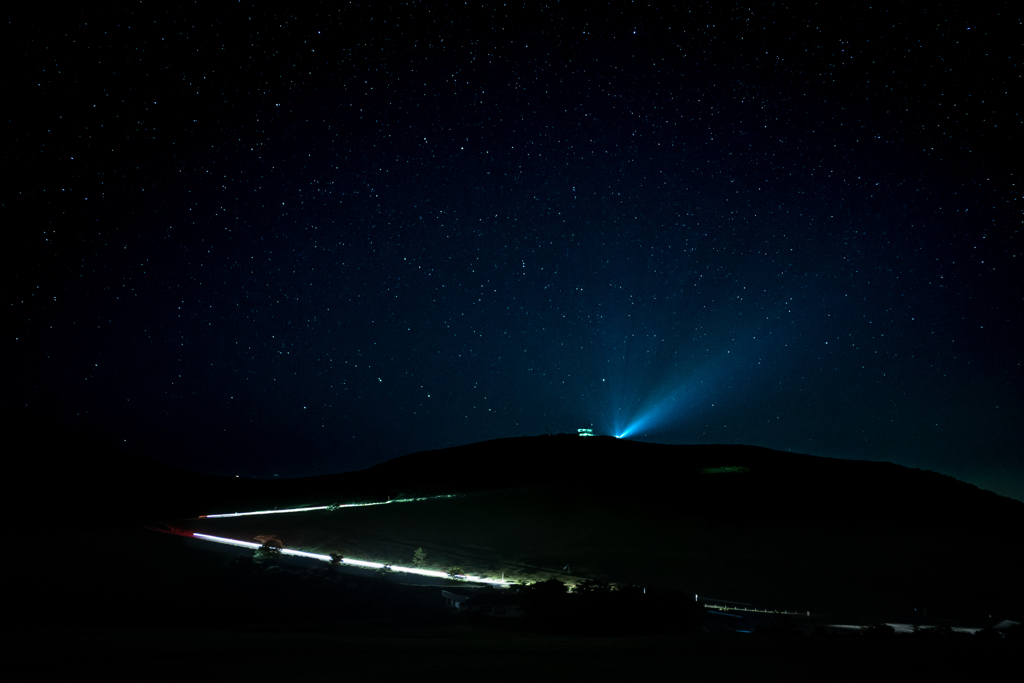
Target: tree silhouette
(270,550)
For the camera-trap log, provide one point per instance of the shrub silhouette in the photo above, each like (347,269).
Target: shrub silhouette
(269,550)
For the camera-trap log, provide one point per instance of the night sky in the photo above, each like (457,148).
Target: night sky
(298,243)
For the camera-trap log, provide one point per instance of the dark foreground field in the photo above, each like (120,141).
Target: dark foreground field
(138,605)
(393,653)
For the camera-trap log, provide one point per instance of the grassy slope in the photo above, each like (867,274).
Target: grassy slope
(790,532)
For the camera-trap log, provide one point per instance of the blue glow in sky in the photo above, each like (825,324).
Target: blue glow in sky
(647,414)
(307,241)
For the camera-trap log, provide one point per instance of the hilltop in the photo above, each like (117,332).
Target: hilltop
(60,470)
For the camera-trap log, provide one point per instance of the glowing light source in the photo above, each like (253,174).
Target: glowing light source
(651,402)
(585,432)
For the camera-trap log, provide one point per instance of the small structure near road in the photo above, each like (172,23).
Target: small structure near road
(491,603)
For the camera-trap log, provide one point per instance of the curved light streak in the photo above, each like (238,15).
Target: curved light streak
(357,563)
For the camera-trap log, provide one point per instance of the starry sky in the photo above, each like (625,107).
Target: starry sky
(276,242)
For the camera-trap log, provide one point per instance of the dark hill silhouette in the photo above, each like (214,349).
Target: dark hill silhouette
(725,480)
(747,523)
(58,470)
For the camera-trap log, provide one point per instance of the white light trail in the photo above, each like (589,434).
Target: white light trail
(357,563)
(228,541)
(325,507)
(265,512)
(727,608)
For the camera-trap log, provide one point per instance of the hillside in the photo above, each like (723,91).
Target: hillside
(744,523)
